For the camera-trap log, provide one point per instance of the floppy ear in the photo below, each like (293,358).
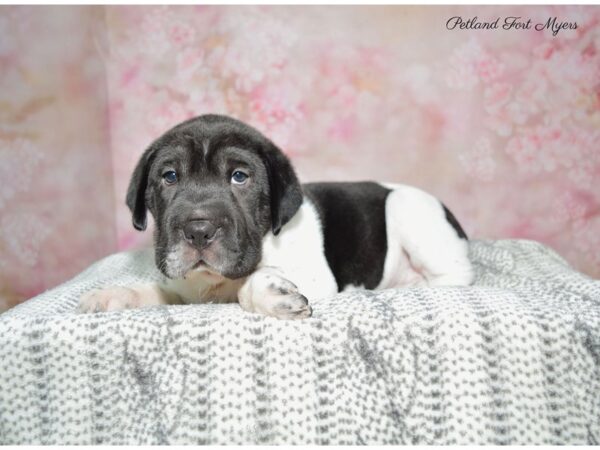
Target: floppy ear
(285,190)
(136,193)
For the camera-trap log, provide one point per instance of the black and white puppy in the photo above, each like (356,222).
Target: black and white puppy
(234,224)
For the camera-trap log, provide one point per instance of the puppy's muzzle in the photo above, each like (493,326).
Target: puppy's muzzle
(199,233)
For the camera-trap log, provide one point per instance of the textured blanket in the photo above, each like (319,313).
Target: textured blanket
(513,359)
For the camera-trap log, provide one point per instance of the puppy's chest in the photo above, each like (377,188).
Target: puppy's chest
(298,253)
(196,288)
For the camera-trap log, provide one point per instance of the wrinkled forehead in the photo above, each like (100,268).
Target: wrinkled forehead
(206,154)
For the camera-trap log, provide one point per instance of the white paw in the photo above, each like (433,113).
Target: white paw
(272,295)
(289,306)
(114,298)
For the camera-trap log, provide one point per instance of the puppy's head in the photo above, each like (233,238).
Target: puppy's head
(215,187)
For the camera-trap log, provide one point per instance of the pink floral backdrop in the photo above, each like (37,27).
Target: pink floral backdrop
(502,125)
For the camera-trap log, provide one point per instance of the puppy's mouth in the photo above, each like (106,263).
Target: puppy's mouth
(183,261)
(203,267)
(199,265)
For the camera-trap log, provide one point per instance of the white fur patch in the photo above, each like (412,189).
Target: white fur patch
(298,252)
(351,287)
(423,247)
(200,286)
(267,292)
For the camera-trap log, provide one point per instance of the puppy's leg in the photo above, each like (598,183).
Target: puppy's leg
(267,292)
(417,225)
(115,298)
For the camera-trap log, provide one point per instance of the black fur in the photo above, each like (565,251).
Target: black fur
(284,188)
(136,193)
(452,220)
(354,229)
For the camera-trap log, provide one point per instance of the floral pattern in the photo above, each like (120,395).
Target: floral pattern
(502,125)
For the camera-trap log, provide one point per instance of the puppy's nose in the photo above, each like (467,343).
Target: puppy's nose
(199,232)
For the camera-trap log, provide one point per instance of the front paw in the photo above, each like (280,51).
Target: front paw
(291,306)
(114,298)
(272,295)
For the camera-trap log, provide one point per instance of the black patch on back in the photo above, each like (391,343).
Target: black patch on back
(452,220)
(354,230)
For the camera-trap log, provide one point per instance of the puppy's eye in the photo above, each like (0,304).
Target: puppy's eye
(239,177)
(170,177)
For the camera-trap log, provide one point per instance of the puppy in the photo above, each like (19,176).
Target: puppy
(234,224)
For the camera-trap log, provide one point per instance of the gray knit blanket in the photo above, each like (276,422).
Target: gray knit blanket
(514,359)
